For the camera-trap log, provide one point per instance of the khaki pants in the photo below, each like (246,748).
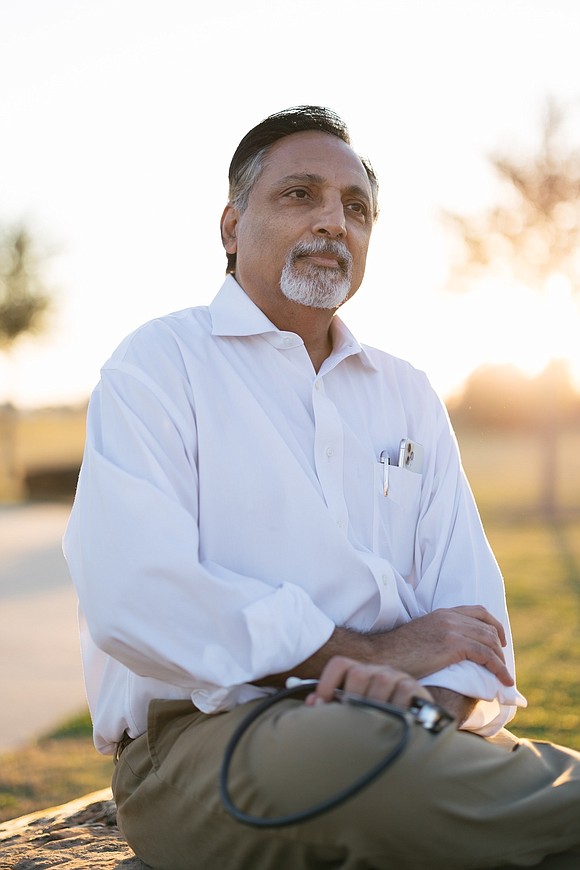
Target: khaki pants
(452,800)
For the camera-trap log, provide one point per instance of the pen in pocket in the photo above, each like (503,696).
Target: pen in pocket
(384,458)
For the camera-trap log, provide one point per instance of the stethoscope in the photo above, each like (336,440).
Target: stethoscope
(430,716)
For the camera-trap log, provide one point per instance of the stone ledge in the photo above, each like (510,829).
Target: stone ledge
(75,836)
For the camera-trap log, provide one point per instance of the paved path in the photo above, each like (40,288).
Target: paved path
(40,669)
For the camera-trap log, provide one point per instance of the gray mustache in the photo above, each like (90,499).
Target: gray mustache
(323,246)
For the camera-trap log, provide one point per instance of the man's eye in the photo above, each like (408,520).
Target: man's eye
(359,208)
(298,193)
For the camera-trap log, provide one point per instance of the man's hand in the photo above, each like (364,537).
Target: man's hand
(421,647)
(377,682)
(445,637)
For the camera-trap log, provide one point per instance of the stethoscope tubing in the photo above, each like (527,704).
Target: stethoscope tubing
(404,716)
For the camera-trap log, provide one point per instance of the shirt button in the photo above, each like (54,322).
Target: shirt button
(316,385)
(287,340)
(385,579)
(329,452)
(340,524)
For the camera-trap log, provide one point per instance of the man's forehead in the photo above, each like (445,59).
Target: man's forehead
(314,153)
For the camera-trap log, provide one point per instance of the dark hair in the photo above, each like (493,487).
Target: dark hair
(248,160)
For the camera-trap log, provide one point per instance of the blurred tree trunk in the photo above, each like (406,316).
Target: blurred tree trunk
(549,437)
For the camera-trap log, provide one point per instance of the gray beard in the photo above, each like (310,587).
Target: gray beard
(317,286)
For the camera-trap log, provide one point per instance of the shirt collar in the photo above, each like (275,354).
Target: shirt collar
(234,314)
(345,344)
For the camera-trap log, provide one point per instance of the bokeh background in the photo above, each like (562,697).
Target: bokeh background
(118,119)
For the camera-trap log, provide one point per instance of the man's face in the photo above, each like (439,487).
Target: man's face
(305,232)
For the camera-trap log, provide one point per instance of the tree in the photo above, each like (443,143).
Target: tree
(24,303)
(532,237)
(535,234)
(23,298)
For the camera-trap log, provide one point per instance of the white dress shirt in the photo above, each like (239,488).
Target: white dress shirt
(230,513)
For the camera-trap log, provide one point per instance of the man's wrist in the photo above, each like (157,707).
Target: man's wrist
(458,705)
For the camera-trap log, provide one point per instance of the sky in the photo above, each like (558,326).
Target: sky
(118,119)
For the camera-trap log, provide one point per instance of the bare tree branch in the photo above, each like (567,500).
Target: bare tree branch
(535,233)
(24,300)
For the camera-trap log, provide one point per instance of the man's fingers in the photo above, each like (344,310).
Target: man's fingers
(377,682)
(461,633)
(479,640)
(385,684)
(406,689)
(476,611)
(332,677)
(483,655)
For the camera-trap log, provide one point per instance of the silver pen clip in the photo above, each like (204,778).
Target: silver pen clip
(384,458)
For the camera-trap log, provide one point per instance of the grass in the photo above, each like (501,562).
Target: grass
(540,561)
(541,565)
(56,768)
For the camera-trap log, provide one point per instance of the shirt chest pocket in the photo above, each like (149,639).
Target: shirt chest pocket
(396,516)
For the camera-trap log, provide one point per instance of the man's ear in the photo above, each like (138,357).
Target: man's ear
(228,225)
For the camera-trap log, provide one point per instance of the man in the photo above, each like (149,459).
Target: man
(243,515)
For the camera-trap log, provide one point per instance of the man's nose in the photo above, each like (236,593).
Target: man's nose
(330,220)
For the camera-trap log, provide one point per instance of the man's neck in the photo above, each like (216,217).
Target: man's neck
(313,325)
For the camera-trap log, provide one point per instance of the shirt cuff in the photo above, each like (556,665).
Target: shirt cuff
(497,704)
(285,629)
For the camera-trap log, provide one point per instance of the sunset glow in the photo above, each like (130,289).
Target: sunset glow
(119,121)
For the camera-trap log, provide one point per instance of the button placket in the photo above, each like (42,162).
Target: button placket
(329,453)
